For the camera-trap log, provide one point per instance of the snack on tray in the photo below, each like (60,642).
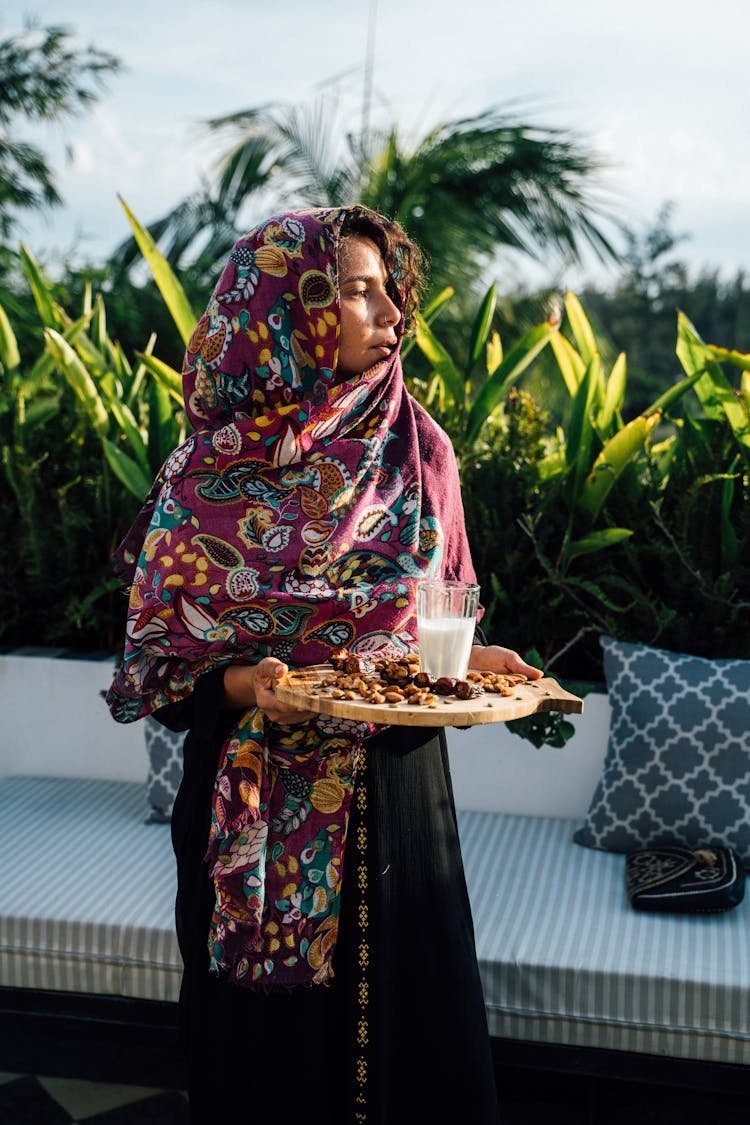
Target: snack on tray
(399,680)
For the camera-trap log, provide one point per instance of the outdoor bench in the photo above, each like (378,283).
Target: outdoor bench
(574,979)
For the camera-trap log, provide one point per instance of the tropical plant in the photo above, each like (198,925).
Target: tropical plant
(464,189)
(44,76)
(588,524)
(83,432)
(464,398)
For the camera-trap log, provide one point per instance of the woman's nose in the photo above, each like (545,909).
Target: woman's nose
(390,314)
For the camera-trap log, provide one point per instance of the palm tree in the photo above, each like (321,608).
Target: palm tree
(44,76)
(463,190)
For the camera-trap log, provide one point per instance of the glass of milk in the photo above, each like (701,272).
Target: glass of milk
(446,615)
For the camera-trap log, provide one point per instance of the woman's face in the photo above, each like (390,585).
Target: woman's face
(368,315)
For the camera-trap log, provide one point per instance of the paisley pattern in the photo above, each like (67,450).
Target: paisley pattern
(295,519)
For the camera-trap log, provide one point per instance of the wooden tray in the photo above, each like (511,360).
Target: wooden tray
(301,688)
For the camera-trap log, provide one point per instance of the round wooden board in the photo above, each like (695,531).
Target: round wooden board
(302,688)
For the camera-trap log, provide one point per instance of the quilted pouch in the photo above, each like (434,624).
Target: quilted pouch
(673,879)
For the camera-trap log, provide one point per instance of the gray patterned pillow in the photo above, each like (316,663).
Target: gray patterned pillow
(677,768)
(164,768)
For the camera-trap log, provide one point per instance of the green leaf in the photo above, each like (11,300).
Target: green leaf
(580,327)
(126,470)
(597,541)
(669,398)
(162,426)
(50,312)
(431,311)
(714,390)
(428,314)
(431,347)
(79,379)
(169,287)
(170,379)
(580,434)
(129,427)
(9,354)
(481,329)
(614,393)
(696,358)
(572,367)
(521,356)
(494,353)
(725,355)
(616,453)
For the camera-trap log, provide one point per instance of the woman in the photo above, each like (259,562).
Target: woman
(322,911)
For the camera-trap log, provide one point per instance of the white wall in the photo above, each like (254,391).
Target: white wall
(496,771)
(55,722)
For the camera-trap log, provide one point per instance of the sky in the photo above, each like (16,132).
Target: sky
(658,88)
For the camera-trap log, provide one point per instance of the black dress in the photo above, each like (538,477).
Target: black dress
(400,1036)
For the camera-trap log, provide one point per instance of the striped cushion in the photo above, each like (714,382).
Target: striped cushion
(564,959)
(87,889)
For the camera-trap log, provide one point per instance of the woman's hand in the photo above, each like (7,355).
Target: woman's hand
(253,685)
(493,658)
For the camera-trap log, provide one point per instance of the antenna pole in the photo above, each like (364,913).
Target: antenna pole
(367,88)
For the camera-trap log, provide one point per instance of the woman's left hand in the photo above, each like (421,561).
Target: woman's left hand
(493,658)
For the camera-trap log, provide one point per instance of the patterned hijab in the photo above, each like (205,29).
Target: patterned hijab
(294,520)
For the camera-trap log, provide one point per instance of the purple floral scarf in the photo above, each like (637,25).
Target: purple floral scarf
(295,520)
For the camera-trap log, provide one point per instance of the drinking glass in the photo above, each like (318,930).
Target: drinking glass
(446,616)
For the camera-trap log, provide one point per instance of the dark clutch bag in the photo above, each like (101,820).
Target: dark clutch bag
(673,879)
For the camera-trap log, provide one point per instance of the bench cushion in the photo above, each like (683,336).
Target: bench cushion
(564,959)
(87,889)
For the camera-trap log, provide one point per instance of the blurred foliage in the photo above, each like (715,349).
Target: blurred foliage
(652,548)
(83,431)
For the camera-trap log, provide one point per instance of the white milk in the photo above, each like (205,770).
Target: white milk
(445,645)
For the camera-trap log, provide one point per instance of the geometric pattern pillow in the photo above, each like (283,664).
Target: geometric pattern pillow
(164,769)
(677,768)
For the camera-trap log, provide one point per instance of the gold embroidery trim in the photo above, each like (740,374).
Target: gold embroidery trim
(363,949)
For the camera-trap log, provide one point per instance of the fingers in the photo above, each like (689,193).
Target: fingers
(267,674)
(494,658)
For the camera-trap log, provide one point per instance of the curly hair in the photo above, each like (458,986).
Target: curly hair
(404,261)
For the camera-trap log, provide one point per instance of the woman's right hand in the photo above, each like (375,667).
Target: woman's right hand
(253,685)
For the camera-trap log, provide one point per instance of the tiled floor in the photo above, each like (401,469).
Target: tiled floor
(526,1100)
